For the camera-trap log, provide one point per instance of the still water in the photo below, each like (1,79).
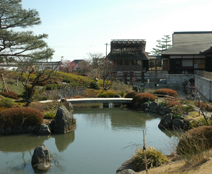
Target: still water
(103,139)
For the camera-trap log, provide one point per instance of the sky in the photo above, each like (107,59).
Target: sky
(78,27)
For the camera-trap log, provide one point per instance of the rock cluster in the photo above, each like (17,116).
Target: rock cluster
(64,122)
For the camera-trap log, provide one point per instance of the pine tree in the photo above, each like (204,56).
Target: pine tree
(162,45)
(23,47)
(20,45)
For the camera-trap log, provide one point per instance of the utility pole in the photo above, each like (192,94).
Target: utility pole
(106,49)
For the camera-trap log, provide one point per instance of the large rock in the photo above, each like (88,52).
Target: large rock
(153,107)
(67,104)
(162,110)
(41,159)
(166,122)
(63,121)
(17,130)
(144,106)
(126,165)
(126,171)
(44,129)
(7,131)
(177,124)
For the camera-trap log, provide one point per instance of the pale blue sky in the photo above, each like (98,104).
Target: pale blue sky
(78,27)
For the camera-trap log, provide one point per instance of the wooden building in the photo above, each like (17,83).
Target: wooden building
(129,58)
(190,51)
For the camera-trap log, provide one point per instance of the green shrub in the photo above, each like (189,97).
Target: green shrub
(107,94)
(49,115)
(94,85)
(143,97)
(20,117)
(10,94)
(166,91)
(154,158)
(7,103)
(131,94)
(194,142)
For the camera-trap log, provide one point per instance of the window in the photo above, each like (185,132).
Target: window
(187,63)
(139,62)
(126,62)
(119,62)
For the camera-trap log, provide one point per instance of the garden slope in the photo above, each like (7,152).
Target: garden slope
(180,167)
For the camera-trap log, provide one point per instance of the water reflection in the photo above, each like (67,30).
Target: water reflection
(62,141)
(28,142)
(117,118)
(21,143)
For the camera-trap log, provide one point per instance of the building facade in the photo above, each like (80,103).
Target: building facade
(190,51)
(129,58)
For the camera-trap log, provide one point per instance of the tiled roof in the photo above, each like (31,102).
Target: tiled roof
(190,42)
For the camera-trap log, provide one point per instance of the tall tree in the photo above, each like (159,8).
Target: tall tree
(162,45)
(22,47)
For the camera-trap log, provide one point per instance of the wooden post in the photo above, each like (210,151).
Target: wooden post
(144,151)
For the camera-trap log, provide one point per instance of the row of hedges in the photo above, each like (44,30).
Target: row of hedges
(20,117)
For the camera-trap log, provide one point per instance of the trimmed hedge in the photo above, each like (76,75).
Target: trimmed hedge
(166,91)
(195,141)
(143,97)
(10,94)
(7,103)
(131,94)
(20,117)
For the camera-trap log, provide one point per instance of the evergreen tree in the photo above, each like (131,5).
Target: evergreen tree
(20,45)
(23,47)
(162,45)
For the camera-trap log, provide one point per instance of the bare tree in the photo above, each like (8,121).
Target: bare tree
(27,70)
(101,68)
(65,66)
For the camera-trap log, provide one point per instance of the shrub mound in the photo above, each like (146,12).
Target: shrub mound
(20,117)
(10,94)
(166,91)
(154,158)
(143,97)
(107,94)
(195,141)
(7,103)
(131,94)
(94,85)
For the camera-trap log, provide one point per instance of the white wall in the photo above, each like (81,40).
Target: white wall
(178,79)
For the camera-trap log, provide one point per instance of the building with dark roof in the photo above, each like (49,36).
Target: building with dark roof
(190,51)
(129,57)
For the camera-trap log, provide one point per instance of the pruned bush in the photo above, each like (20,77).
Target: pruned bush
(7,103)
(204,105)
(90,93)
(172,103)
(166,91)
(20,117)
(10,94)
(143,97)
(107,94)
(154,158)
(94,85)
(131,94)
(194,142)
(49,114)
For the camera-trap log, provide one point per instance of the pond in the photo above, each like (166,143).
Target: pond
(103,139)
